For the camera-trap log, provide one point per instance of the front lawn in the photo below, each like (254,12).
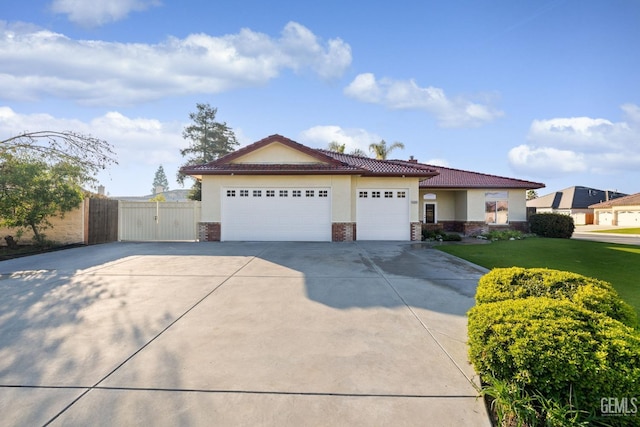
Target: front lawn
(620,231)
(617,264)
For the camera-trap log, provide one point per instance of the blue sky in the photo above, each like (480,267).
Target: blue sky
(547,91)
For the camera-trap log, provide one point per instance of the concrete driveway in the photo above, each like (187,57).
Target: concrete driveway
(367,333)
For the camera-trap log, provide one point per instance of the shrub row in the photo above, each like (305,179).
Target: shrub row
(440,235)
(502,284)
(552,225)
(558,336)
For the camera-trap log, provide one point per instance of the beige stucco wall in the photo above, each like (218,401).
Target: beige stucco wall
(343,191)
(276,153)
(445,204)
(67,230)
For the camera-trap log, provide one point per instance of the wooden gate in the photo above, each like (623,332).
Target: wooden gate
(158,221)
(102,224)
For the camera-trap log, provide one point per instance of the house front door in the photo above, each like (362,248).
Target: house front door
(430,213)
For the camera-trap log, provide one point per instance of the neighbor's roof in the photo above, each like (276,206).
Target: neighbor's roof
(329,163)
(631,200)
(576,197)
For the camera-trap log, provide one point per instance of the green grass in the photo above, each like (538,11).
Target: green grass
(620,231)
(617,264)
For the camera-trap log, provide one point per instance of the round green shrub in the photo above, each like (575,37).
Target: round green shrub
(555,349)
(513,283)
(552,225)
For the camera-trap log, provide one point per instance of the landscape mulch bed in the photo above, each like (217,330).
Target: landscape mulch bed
(26,250)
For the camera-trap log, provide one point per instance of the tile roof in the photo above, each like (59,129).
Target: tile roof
(458,178)
(630,200)
(328,163)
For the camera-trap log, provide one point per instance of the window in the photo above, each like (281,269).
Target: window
(388,194)
(231,193)
(257,193)
(244,193)
(271,193)
(310,193)
(375,194)
(363,194)
(496,210)
(296,193)
(284,193)
(323,193)
(402,194)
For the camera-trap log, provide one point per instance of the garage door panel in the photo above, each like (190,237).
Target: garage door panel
(276,214)
(382,214)
(629,218)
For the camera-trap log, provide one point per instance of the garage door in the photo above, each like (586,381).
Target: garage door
(629,218)
(605,218)
(382,214)
(276,214)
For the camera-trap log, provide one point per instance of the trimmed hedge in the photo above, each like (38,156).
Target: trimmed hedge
(502,284)
(552,225)
(556,349)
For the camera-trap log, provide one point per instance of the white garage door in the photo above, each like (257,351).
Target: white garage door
(605,218)
(629,218)
(276,214)
(382,214)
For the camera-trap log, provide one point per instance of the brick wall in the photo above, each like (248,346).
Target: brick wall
(343,231)
(474,228)
(416,231)
(209,231)
(67,230)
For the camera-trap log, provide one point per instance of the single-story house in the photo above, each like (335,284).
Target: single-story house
(278,189)
(574,201)
(623,211)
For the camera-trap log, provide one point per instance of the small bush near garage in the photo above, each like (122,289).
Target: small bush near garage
(551,362)
(502,284)
(552,225)
(504,235)
(440,235)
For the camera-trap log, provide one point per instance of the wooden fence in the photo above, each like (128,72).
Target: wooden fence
(101,221)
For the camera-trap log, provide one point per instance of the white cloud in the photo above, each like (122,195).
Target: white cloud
(407,95)
(546,161)
(38,63)
(562,146)
(96,13)
(437,162)
(321,136)
(141,144)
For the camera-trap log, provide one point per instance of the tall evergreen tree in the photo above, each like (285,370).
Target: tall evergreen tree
(160,180)
(208,140)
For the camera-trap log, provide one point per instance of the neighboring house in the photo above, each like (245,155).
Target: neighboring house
(169,195)
(623,211)
(474,203)
(574,201)
(278,189)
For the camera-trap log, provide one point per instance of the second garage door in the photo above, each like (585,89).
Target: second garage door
(276,214)
(382,214)
(629,218)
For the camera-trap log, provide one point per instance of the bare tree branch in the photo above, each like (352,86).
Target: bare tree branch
(85,151)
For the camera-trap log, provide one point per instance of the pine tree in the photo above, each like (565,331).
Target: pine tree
(160,180)
(209,140)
